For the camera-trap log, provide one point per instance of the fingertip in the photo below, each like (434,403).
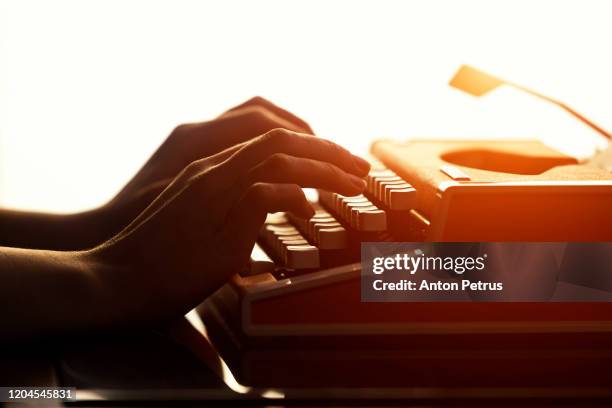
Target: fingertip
(358,186)
(305,211)
(309,129)
(362,165)
(309,212)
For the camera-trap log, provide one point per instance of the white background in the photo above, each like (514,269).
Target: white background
(89,89)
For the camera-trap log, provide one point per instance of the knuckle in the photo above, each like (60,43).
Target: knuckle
(338,152)
(279,162)
(333,171)
(277,137)
(296,191)
(329,168)
(198,180)
(194,169)
(258,191)
(256,100)
(180,130)
(255,113)
(194,166)
(333,146)
(180,135)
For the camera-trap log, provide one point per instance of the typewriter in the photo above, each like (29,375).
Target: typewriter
(302,290)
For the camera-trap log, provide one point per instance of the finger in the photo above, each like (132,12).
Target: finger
(329,167)
(249,213)
(262,116)
(282,168)
(277,110)
(235,128)
(293,144)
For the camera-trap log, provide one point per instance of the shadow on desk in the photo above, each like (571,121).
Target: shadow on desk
(180,365)
(140,359)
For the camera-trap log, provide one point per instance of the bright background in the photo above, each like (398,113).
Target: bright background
(89,89)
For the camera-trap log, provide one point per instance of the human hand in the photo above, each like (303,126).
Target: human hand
(201,229)
(188,143)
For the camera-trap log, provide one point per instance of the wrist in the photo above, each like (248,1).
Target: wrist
(122,294)
(60,232)
(49,293)
(88,290)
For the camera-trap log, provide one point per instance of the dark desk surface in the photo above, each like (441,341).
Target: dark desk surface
(144,367)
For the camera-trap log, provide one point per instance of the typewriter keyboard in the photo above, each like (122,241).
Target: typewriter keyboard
(333,235)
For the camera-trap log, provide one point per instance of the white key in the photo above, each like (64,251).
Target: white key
(403,198)
(284,240)
(291,242)
(320,214)
(280,229)
(356,199)
(344,201)
(314,227)
(302,257)
(375,175)
(372,220)
(352,208)
(337,200)
(354,216)
(382,187)
(332,238)
(277,235)
(270,232)
(276,218)
(381,182)
(393,186)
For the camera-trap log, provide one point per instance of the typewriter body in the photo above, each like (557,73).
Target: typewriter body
(307,292)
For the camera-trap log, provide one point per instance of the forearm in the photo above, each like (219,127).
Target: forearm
(54,231)
(48,293)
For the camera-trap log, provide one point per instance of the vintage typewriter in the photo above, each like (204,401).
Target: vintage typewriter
(302,285)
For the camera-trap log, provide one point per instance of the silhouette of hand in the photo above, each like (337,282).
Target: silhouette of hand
(188,143)
(200,230)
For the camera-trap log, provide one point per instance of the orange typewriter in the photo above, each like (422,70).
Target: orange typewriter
(303,283)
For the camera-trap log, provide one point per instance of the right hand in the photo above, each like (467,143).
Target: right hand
(187,143)
(200,230)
